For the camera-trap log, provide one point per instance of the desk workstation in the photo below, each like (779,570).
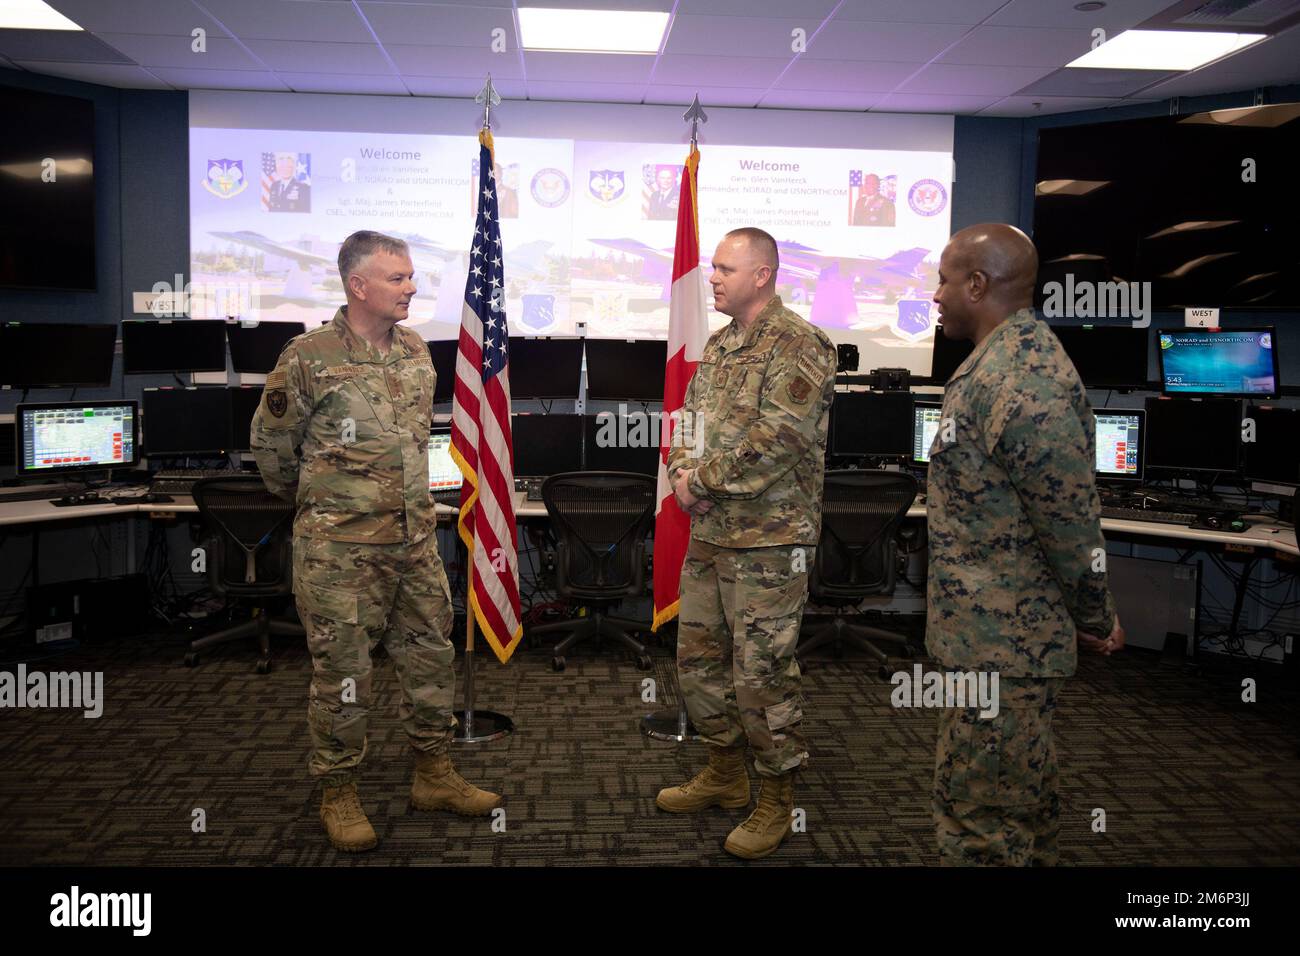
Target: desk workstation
(1029,438)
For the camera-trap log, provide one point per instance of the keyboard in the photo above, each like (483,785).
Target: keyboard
(180,481)
(43,492)
(1148,514)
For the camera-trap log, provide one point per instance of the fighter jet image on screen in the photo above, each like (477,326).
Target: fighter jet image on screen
(833,284)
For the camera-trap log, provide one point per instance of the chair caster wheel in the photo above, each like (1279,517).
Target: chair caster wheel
(192,659)
(264,665)
(884,672)
(557,664)
(909,652)
(643,663)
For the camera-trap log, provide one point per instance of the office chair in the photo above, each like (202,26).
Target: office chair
(601,520)
(857,556)
(249,558)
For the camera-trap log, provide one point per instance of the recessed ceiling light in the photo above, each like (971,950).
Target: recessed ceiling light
(1090,6)
(32,15)
(1164,50)
(592,31)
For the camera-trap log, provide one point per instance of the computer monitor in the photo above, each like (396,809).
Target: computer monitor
(443,355)
(871,425)
(182,345)
(1202,435)
(1273,456)
(1121,443)
(256,347)
(444,474)
(57,354)
(1238,362)
(622,371)
(925,425)
(186,421)
(1106,356)
(545,368)
(546,444)
(947,356)
(243,404)
(65,437)
(630,445)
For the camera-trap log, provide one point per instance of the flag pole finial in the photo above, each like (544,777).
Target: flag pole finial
(488,98)
(695,116)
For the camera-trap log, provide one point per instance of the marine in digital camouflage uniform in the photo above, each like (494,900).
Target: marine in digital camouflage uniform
(752,456)
(343,431)
(1017,575)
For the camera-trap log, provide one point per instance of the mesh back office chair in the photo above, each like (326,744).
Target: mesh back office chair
(857,555)
(249,558)
(601,520)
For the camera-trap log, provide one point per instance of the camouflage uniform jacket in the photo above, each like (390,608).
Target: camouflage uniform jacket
(343,430)
(762,398)
(1016,552)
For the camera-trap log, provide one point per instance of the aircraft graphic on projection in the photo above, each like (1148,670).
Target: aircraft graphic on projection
(833,283)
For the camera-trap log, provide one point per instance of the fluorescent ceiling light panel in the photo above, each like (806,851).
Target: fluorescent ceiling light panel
(32,15)
(1069,187)
(592,31)
(1164,50)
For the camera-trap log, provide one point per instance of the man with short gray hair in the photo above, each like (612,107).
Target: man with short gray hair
(343,431)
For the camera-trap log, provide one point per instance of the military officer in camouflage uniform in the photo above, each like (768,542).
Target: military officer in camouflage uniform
(749,469)
(343,431)
(1017,560)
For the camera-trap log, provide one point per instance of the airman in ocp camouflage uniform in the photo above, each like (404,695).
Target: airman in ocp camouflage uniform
(1017,572)
(343,431)
(749,467)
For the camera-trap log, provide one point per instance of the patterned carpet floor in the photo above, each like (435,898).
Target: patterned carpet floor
(1186,772)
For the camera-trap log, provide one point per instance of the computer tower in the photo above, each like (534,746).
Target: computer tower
(89,610)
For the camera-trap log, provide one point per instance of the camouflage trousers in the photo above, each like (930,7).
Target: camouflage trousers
(995,779)
(351,597)
(737,629)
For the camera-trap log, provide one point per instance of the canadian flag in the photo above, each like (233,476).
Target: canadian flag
(688,330)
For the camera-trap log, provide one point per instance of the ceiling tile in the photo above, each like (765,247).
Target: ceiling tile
(756,36)
(577,91)
(1025,46)
(900,42)
(308,57)
(814,9)
(159,17)
(670,95)
(106,74)
(1115,16)
(178,52)
(1276,56)
(918,103)
(1048,105)
(972,80)
(466,61)
(290,20)
(592,69)
(343,83)
(806,74)
(221,79)
(61,45)
(823,100)
(440,25)
(919,11)
(1082,82)
(719,71)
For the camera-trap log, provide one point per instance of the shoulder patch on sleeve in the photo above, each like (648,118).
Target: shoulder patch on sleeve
(276,379)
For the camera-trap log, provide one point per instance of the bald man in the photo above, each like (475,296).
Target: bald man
(751,477)
(1017,570)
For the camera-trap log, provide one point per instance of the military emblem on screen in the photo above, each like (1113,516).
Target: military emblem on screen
(550,187)
(927,197)
(225,178)
(606,186)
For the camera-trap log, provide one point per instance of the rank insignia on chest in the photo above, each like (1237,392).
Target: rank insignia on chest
(277,403)
(720,379)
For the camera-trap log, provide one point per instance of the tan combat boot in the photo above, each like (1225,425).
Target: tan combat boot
(770,822)
(437,786)
(345,821)
(723,783)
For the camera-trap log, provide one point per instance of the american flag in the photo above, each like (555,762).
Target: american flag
(480,428)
